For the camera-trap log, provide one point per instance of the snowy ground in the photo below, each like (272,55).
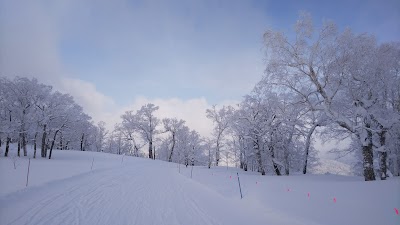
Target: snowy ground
(128,190)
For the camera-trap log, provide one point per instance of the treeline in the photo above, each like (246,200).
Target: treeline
(344,82)
(33,113)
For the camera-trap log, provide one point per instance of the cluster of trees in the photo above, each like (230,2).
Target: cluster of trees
(32,113)
(175,141)
(266,132)
(348,83)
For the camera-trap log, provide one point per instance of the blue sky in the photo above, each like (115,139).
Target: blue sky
(114,55)
(191,49)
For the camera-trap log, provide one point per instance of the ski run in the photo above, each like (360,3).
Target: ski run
(98,188)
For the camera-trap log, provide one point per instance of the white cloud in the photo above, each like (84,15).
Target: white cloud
(85,94)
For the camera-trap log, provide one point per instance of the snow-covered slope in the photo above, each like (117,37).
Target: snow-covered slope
(130,190)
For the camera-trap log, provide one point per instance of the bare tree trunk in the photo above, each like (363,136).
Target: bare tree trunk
(368,158)
(60,146)
(52,143)
(396,171)
(276,168)
(34,145)
(44,147)
(24,143)
(172,148)
(19,146)
(307,148)
(82,139)
(151,149)
(217,153)
(7,146)
(383,156)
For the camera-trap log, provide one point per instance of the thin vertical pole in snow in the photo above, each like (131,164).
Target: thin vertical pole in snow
(92,164)
(191,172)
(122,160)
(240,189)
(27,175)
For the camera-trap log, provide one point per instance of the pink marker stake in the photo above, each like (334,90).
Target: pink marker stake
(397,211)
(334,200)
(230,177)
(308,194)
(288,189)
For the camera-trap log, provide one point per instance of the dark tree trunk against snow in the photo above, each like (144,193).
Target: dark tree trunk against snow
(151,149)
(307,148)
(136,153)
(35,145)
(52,143)
(383,155)
(172,148)
(44,147)
(24,143)
(82,141)
(276,168)
(368,158)
(368,163)
(60,146)
(7,146)
(19,146)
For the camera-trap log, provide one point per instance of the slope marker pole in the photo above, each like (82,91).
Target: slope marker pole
(240,189)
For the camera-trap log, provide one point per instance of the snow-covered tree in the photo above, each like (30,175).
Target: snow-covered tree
(221,122)
(344,75)
(144,123)
(172,126)
(100,136)
(30,110)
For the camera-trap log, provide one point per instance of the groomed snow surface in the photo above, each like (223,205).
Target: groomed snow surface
(128,190)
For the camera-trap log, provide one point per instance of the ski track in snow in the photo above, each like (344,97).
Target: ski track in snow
(143,191)
(115,196)
(127,194)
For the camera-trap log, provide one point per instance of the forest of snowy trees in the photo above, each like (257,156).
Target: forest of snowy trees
(346,83)
(341,84)
(32,113)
